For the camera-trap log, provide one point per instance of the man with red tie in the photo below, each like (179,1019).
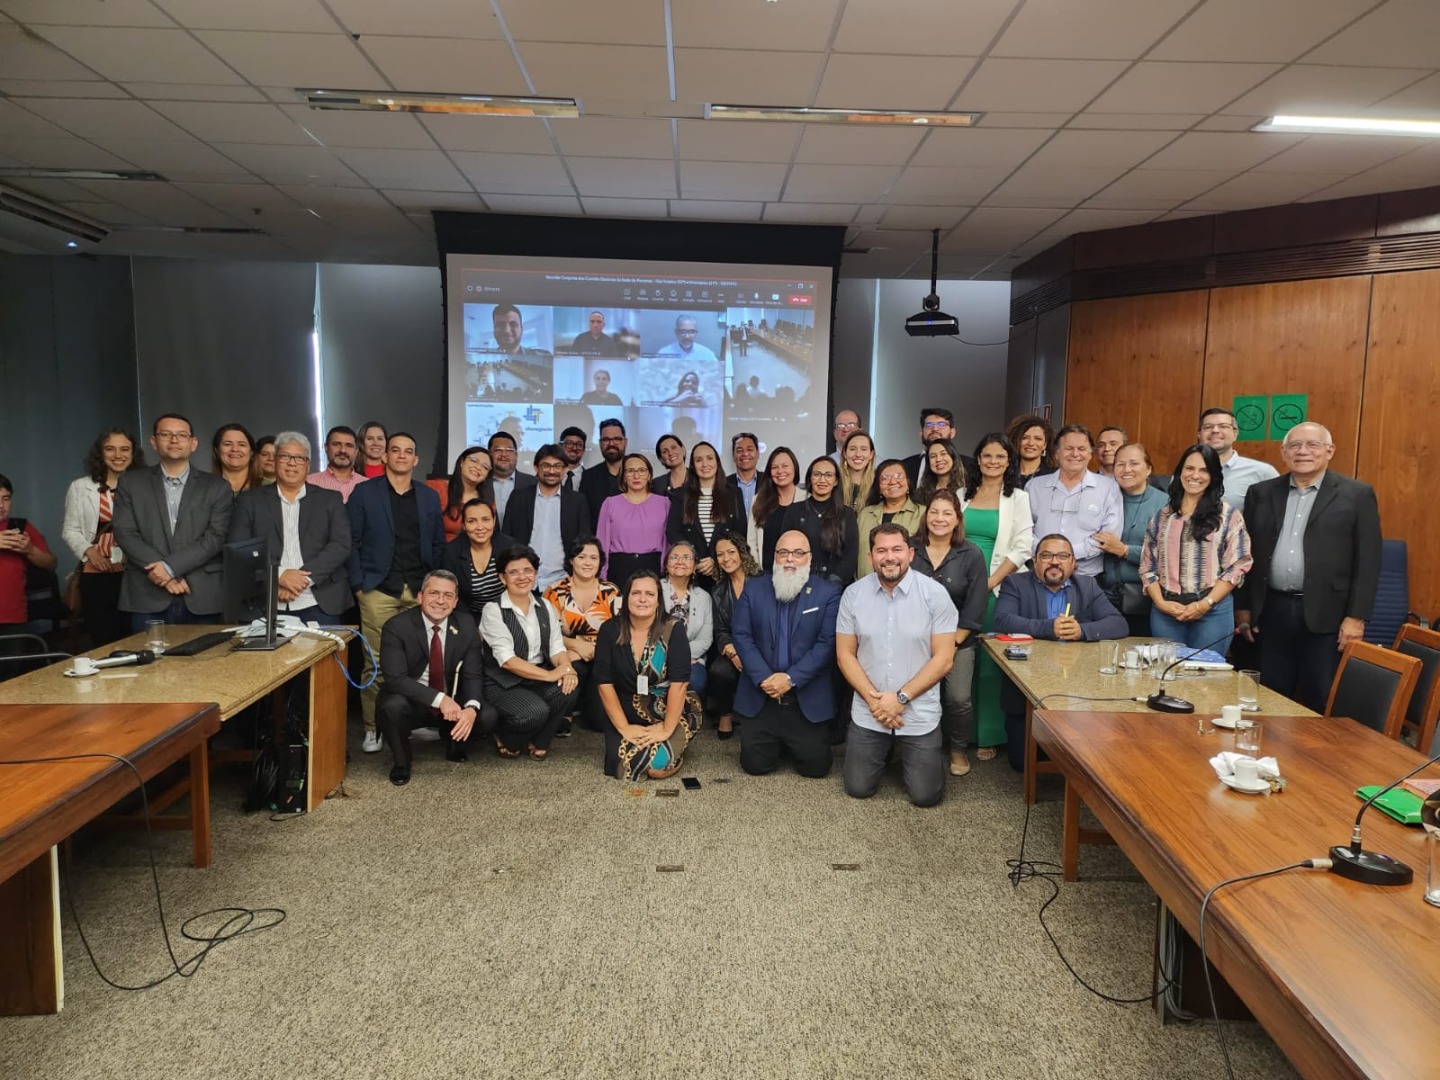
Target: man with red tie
(430,664)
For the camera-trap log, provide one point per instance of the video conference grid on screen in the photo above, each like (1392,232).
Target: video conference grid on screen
(702,351)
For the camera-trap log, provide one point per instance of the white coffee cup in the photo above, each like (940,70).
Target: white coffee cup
(83,665)
(1247,771)
(1132,658)
(1230,714)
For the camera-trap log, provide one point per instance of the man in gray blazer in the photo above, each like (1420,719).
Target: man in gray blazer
(171,523)
(308,531)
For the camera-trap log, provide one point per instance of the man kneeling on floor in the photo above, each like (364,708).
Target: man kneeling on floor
(784,630)
(430,663)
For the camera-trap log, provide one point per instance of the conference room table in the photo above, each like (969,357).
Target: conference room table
(1066,675)
(46,801)
(1344,976)
(232,680)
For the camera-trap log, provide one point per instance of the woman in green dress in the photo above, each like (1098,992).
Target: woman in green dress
(997,521)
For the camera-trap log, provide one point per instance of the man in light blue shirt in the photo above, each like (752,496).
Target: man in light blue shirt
(894,642)
(1218,430)
(685,347)
(1075,502)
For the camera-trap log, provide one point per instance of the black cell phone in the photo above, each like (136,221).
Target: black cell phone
(691,783)
(1015,652)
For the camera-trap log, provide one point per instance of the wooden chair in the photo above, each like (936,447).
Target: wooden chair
(1424,710)
(1373,687)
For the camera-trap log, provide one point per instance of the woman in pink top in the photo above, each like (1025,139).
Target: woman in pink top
(632,524)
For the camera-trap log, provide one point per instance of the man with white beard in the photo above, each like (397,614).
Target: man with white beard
(783,628)
(895,641)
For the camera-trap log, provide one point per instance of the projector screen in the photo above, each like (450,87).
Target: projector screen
(700,350)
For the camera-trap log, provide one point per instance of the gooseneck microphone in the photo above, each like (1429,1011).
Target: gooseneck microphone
(1354,862)
(1163,702)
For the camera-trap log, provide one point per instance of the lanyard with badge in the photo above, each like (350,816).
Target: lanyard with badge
(642,674)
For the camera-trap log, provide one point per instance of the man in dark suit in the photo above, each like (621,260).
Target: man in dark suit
(396,536)
(308,532)
(1315,536)
(430,661)
(548,517)
(171,522)
(1052,603)
(935,424)
(605,477)
(784,630)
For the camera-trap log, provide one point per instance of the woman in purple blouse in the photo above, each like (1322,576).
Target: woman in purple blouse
(632,524)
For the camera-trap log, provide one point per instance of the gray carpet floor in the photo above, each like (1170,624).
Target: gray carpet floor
(507,919)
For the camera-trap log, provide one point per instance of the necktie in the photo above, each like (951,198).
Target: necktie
(437,662)
(782,647)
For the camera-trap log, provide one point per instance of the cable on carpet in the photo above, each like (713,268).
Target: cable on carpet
(240,920)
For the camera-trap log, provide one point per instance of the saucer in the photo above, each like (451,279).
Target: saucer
(1245,789)
(1221,722)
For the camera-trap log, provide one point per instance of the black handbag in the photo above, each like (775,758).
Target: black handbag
(1133,600)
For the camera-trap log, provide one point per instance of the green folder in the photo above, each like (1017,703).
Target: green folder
(1403,806)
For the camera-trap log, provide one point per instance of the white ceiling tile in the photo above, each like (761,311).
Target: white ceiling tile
(1261,189)
(1053,186)
(839,183)
(715,210)
(165,203)
(216,121)
(113,119)
(891,82)
(422,202)
(292,59)
(601,206)
(381,130)
(1307,88)
(793,24)
(1227,122)
(335,201)
(1098,149)
(243,199)
(1400,33)
(911,241)
(1104,201)
(993,228)
(1418,101)
(57,191)
(921,27)
(289,164)
(1173,87)
(1037,85)
(603,136)
(921,185)
(733,77)
(631,72)
(126,54)
(871,214)
(810,213)
(497,134)
(638,177)
(61,154)
(724,140)
(760,181)
(1221,150)
(1078,221)
(1026,121)
(445,65)
(1095,29)
(1107,121)
(416,170)
(25,56)
(1238,30)
(837,144)
(979,147)
(19,123)
(434,18)
(556,205)
(108,213)
(1175,185)
(615,22)
(1339,154)
(924,217)
(20,88)
(291,15)
(537,174)
(150,91)
(85,12)
(172,158)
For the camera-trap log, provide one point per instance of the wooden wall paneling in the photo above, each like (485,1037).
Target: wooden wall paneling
(1138,362)
(1399,434)
(1296,337)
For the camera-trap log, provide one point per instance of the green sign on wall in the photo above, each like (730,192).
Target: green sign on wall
(1260,416)
(1252,415)
(1287,410)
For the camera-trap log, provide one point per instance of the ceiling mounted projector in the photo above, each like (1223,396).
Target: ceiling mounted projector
(930,321)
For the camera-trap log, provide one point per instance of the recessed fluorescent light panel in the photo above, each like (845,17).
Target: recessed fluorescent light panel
(450,104)
(799,114)
(26,172)
(1350,125)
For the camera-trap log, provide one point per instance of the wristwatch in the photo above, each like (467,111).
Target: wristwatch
(902,697)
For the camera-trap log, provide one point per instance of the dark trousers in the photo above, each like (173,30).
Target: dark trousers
(1294,661)
(397,716)
(529,713)
(177,614)
(922,762)
(592,713)
(724,678)
(782,726)
(100,603)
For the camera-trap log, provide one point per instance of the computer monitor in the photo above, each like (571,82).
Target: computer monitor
(250,590)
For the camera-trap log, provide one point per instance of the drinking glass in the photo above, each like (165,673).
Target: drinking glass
(1247,737)
(1109,657)
(155,635)
(1248,690)
(1432,866)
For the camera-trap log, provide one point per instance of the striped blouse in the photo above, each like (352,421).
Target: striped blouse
(1173,558)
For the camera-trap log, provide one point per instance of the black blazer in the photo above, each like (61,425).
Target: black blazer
(838,567)
(324,537)
(597,485)
(912,469)
(1342,550)
(456,558)
(405,657)
(676,529)
(520,516)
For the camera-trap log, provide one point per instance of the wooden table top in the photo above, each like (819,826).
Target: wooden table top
(44,803)
(1073,667)
(232,680)
(1344,976)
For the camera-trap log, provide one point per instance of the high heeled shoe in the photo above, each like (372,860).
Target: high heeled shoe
(721,733)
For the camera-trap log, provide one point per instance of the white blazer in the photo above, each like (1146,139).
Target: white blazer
(82,517)
(1014,538)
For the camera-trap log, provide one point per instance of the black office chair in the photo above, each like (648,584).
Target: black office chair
(22,653)
(1373,687)
(1421,716)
